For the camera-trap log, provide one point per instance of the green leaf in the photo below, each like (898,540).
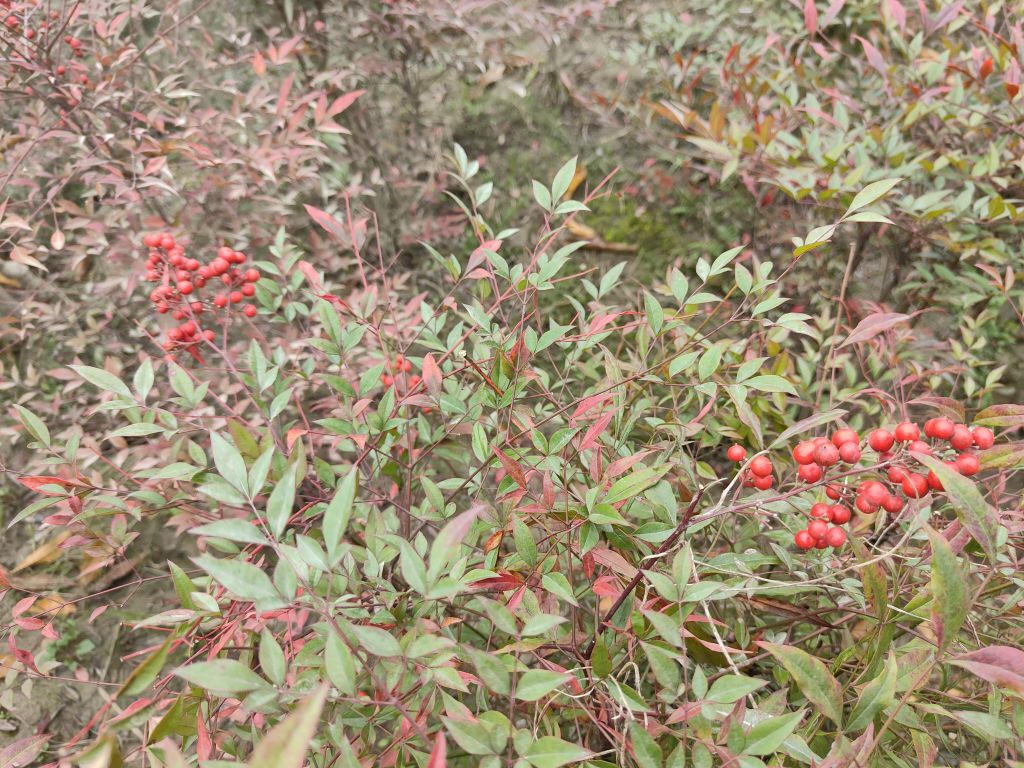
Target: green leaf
(770,383)
(563,179)
(450,539)
(339,511)
(812,677)
(634,483)
(974,512)
(281,502)
(286,744)
(491,670)
(102,379)
(648,753)
(136,430)
(143,675)
(537,683)
(229,463)
(950,593)
(377,641)
(559,586)
(768,735)
(240,578)
(876,696)
(871,193)
(341,668)
(222,676)
(143,379)
(709,362)
(552,752)
(33,424)
(234,529)
(732,688)
(272,660)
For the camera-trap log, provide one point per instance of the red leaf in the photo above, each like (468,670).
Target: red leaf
(23,751)
(599,426)
(810,17)
(432,375)
(36,482)
(342,103)
(874,57)
(438,757)
(832,12)
(874,324)
(325,220)
(998,664)
(511,467)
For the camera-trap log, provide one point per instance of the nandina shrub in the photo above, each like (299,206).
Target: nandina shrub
(540,515)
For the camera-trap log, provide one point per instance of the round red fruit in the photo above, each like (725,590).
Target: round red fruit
(821,543)
(803,540)
(984,437)
(809,473)
(865,505)
(763,483)
(942,428)
(252,275)
(934,482)
(897,474)
(962,438)
(843,436)
(151,240)
(236,297)
(834,492)
(804,452)
(874,491)
(817,528)
(839,515)
(849,453)
(167,242)
(736,453)
(907,432)
(826,454)
(248,289)
(835,537)
(761,466)
(185,287)
(920,446)
(892,504)
(968,464)
(880,440)
(250,310)
(820,511)
(914,485)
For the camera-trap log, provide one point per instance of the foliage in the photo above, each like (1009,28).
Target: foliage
(480,468)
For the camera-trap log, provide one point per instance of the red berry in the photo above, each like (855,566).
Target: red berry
(185,287)
(897,474)
(209,335)
(920,446)
(150,240)
(942,428)
(986,68)
(915,486)
(880,440)
(968,464)
(803,540)
(906,432)
(865,505)
(248,289)
(839,515)
(804,452)
(761,466)
(984,437)
(834,492)
(821,543)
(962,438)
(934,482)
(219,266)
(849,453)
(237,257)
(220,300)
(817,528)
(166,242)
(225,253)
(761,483)
(835,537)
(252,275)
(192,264)
(843,436)
(820,511)
(736,453)
(892,504)
(809,473)
(875,492)
(236,297)
(250,310)
(826,454)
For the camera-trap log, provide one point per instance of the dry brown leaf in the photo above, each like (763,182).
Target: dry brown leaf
(46,552)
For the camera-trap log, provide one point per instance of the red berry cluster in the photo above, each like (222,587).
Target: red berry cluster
(181,278)
(397,375)
(904,477)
